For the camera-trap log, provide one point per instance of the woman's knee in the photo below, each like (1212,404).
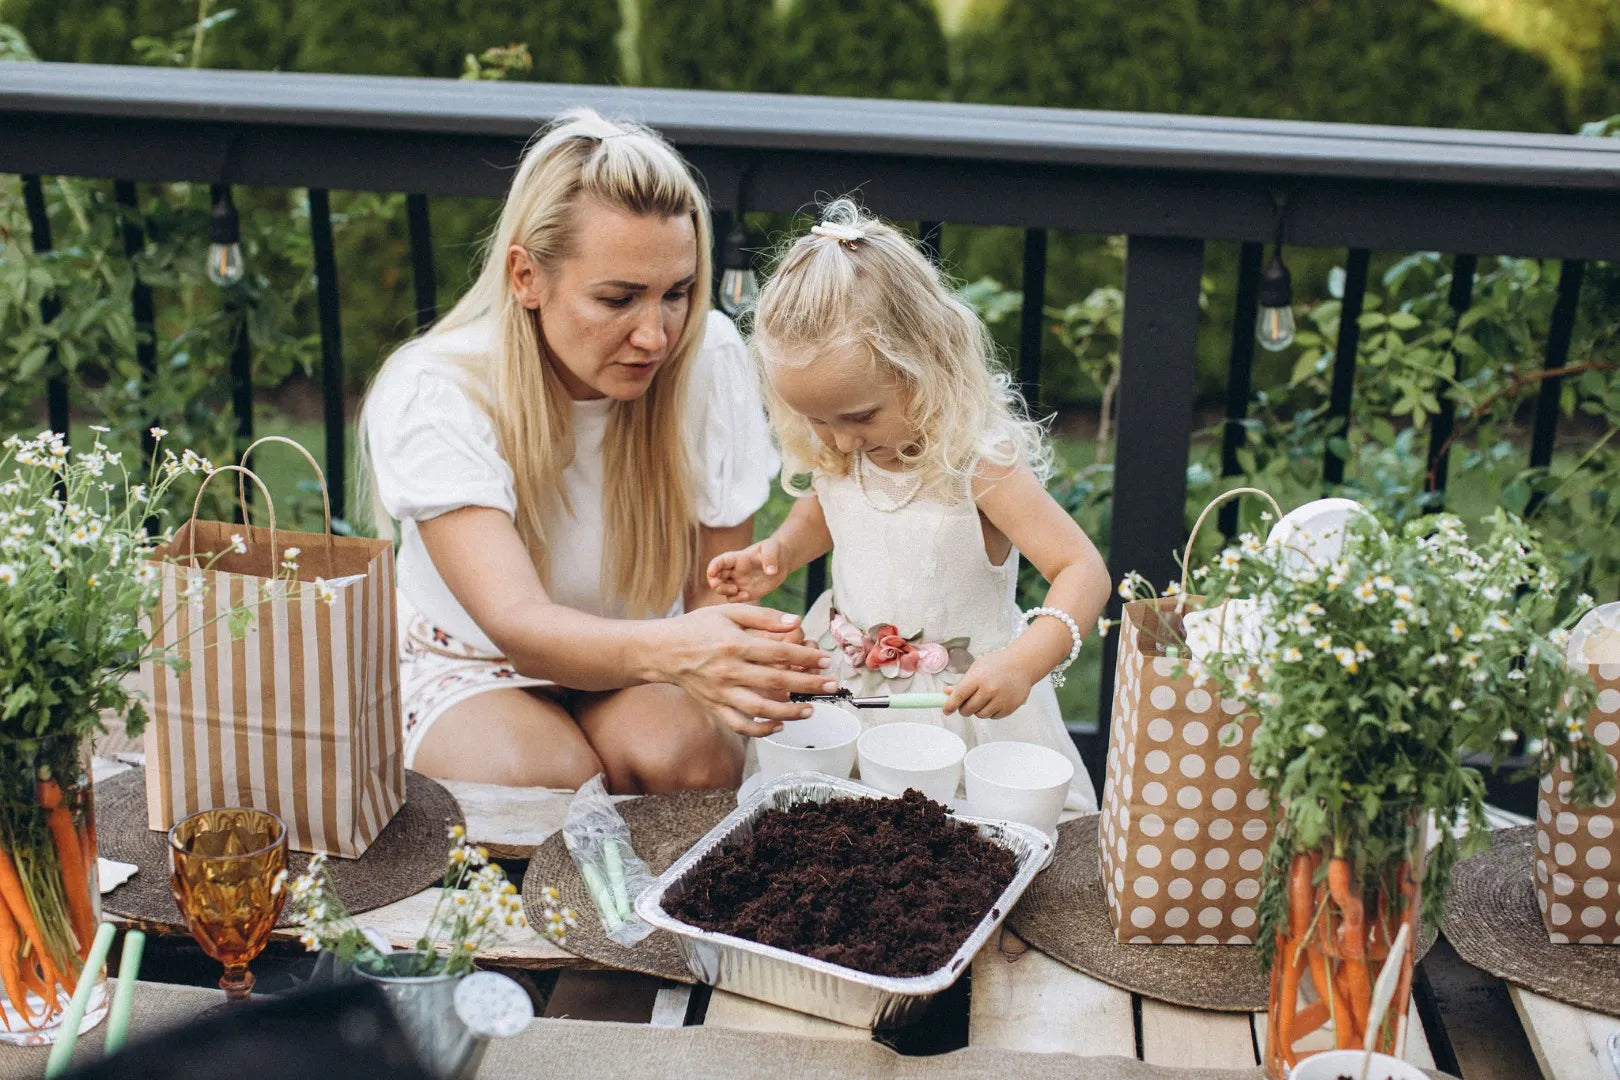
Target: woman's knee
(511,738)
(659,740)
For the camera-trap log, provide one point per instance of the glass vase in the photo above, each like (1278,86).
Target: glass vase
(50,904)
(1343,913)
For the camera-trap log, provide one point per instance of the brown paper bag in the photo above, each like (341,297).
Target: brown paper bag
(1578,847)
(1184,828)
(301,715)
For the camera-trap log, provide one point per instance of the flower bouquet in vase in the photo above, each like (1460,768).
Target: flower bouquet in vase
(76,589)
(1386,658)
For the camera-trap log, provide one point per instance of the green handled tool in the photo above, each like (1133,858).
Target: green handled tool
(883,701)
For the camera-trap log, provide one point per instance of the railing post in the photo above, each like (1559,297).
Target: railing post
(50,306)
(420,226)
(1344,363)
(928,238)
(1032,318)
(1239,371)
(1463,268)
(1545,433)
(326,298)
(1158,352)
(140,302)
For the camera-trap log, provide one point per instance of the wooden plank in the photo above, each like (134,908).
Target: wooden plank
(623,996)
(1480,1036)
(510,821)
(1174,1035)
(1569,1043)
(403,922)
(669,1007)
(1029,1001)
(735,1011)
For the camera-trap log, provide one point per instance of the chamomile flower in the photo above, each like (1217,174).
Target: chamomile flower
(1398,627)
(1469,660)
(1458,704)
(8,574)
(324,591)
(1230,560)
(1347,659)
(238,545)
(157,433)
(1367,592)
(1324,643)
(1455,631)
(1292,655)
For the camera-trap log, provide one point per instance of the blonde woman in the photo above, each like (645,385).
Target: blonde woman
(563,454)
(925,483)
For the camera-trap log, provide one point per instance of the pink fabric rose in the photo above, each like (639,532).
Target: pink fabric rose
(932,657)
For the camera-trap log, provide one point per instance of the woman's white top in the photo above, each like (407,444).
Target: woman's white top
(434,450)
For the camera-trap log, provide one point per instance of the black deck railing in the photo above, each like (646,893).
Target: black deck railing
(1168,183)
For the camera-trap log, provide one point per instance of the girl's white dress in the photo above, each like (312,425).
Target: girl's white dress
(918,563)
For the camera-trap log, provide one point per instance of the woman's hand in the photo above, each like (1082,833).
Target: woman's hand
(993,687)
(731,659)
(749,574)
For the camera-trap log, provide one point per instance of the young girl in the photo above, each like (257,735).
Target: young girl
(925,483)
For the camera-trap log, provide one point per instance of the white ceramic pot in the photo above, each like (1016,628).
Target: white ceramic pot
(1018,781)
(898,756)
(1332,1064)
(822,742)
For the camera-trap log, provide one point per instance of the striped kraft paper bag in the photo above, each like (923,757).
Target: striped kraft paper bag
(300,715)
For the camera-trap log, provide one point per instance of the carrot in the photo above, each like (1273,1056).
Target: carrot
(12,894)
(1352,939)
(11,975)
(1299,918)
(1308,1020)
(75,881)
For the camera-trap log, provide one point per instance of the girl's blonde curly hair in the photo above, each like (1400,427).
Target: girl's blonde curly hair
(858,284)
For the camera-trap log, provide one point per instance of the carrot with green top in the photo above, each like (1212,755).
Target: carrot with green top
(11,968)
(1352,938)
(16,898)
(75,879)
(1299,918)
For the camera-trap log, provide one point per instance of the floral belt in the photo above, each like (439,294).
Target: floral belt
(883,649)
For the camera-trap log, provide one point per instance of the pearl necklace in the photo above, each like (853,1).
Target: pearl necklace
(860,484)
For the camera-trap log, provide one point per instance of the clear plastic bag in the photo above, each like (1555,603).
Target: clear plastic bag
(598,841)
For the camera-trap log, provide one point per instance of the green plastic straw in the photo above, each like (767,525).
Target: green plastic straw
(614,861)
(81,998)
(129,966)
(597,886)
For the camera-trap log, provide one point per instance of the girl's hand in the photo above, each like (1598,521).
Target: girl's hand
(730,659)
(992,688)
(749,574)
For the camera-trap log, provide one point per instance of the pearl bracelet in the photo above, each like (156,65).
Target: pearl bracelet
(1074,632)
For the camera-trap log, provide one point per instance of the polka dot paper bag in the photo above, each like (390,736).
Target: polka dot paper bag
(1578,848)
(1184,829)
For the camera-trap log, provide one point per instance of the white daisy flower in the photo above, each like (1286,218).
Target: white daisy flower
(8,574)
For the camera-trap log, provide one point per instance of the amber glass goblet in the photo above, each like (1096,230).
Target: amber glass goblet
(222,867)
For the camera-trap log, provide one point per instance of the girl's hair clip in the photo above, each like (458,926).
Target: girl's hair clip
(844,234)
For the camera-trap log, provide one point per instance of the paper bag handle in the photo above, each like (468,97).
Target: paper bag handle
(196,507)
(326,498)
(1186,556)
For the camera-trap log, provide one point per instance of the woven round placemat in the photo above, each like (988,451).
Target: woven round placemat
(407,856)
(662,827)
(1064,914)
(1494,923)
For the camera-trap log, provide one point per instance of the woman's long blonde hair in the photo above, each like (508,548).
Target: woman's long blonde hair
(648,501)
(831,293)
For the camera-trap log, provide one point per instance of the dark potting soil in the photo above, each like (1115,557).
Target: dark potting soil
(886,886)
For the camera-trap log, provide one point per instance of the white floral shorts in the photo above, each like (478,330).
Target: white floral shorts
(438,671)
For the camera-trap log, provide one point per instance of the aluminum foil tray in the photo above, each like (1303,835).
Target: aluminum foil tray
(816,986)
